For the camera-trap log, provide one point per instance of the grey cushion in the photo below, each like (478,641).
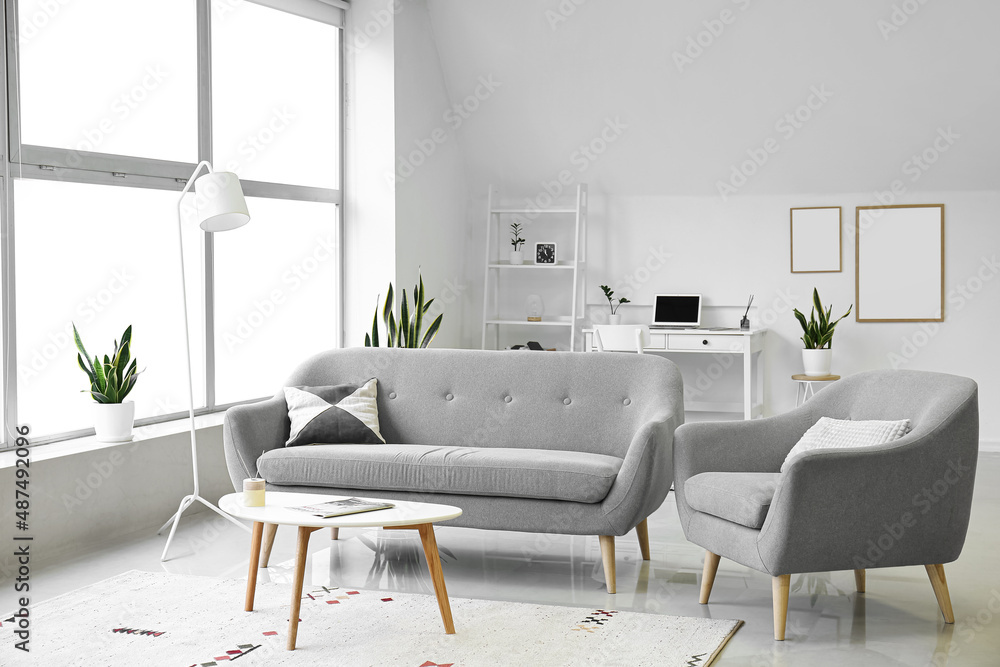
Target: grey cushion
(740,497)
(478,471)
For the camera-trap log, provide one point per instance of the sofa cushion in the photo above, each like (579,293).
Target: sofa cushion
(828,433)
(341,413)
(478,471)
(740,497)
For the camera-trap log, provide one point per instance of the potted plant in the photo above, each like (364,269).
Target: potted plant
(818,337)
(615,317)
(516,256)
(111,380)
(406,330)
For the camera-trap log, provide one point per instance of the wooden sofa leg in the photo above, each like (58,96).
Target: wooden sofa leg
(779,601)
(642,532)
(708,576)
(608,556)
(859,580)
(265,554)
(334,533)
(940,585)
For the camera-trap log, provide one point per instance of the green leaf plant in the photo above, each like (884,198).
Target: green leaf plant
(515,236)
(112,379)
(818,333)
(406,329)
(608,293)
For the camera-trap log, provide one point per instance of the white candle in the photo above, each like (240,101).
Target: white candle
(253,492)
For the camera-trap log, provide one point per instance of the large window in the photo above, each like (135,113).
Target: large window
(111,105)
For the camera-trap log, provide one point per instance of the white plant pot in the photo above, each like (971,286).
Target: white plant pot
(113,421)
(817,362)
(516,257)
(615,319)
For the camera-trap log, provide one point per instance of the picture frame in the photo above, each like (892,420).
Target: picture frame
(816,240)
(899,253)
(546,252)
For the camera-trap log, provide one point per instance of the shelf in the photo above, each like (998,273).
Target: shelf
(532,265)
(529,211)
(552,322)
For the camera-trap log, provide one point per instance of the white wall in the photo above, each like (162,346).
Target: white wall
(594,89)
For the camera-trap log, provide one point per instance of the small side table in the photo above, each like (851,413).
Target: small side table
(807,386)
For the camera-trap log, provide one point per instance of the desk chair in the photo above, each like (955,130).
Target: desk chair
(621,338)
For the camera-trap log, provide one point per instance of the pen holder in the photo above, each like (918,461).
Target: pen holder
(253,492)
(745,324)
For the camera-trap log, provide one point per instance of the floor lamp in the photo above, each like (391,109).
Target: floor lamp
(220,207)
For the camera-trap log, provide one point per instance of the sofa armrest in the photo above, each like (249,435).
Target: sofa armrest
(250,430)
(907,502)
(645,475)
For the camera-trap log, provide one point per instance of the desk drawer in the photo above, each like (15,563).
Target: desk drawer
(708,342)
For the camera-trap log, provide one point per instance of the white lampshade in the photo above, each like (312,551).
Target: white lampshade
(220,202)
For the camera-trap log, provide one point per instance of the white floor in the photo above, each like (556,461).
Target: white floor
(896,623)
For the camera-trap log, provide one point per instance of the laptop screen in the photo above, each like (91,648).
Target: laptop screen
(677,310)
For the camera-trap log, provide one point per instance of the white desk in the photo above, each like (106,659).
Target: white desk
(747,344)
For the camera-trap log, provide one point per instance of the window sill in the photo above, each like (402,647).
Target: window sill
(55,450)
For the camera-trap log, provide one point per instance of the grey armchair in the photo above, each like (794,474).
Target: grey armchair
(903,503)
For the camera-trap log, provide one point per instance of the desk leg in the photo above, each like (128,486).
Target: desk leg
(258,532)
(300,575)
(747,381)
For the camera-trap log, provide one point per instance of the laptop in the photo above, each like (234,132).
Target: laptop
(676,311)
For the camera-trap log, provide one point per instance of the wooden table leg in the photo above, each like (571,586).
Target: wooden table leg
(300,575)
(269,531)
(437,575)
(258,531)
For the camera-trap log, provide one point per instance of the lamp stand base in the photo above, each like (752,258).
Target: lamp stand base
(186,502)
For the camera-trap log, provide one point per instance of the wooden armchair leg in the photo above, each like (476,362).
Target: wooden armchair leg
(936,574)
(608,556)
(708,576)
(265,554)
(859,580)
(779,601)
(642,532)
(334,533)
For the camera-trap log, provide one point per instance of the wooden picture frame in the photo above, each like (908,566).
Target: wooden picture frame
(816,240)
(899,260)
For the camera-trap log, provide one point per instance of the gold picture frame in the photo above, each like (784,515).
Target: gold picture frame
(815,232)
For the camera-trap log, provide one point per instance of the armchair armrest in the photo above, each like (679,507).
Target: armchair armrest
(645,475)
(250,430)
(907,502)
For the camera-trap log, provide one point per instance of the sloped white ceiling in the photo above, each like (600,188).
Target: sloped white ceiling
(566,68)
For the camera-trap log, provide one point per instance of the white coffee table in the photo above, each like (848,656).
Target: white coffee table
(405,515)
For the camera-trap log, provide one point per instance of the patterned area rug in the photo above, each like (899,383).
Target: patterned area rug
(148,619)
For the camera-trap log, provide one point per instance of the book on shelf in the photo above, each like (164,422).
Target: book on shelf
(333,508)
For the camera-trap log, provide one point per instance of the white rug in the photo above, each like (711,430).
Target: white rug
(147,620)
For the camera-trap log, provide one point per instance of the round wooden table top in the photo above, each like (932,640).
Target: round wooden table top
(815,378)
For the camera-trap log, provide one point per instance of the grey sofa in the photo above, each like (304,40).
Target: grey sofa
(903,503)
(547,442)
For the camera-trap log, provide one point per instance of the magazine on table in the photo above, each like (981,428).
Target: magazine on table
(334,508)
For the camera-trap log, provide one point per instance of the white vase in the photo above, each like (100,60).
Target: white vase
(113,421)
(516,257)
(615,319)
(817,362)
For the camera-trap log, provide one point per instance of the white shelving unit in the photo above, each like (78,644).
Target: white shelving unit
(564,271)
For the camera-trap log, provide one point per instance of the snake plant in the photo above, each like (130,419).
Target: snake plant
(818,334)
(113,379)
(405,329)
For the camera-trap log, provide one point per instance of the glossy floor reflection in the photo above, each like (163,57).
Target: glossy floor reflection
(896,623)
